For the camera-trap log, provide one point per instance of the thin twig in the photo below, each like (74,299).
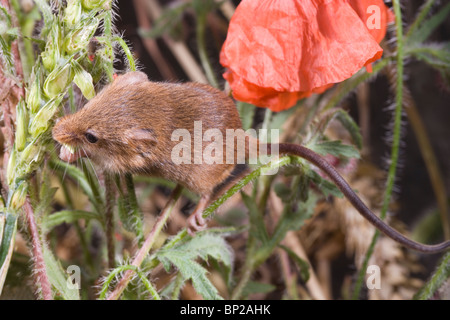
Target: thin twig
(144,250)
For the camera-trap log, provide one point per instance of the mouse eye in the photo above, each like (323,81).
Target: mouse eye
(91,138)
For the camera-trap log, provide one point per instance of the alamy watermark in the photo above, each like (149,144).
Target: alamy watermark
(73,282)
(236,147)
(374,279)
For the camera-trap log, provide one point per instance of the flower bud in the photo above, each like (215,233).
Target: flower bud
(72,14)
(79,38)
(40,123)
(11,170)
(92,4)
(58,80)
(19,196)
(83,80)
(51,55)
(34,94)
(29,154)
(21,126)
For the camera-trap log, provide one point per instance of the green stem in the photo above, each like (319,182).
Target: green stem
(109,218)
(134,269)
(201,25)
(441,274)
(245,278)
(134,208)
(148,244)
(395,144)
(178,285)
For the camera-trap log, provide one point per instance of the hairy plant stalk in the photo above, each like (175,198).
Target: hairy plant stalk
(39,265)
(395,143)
(441,275)
(109,219)
(148,244)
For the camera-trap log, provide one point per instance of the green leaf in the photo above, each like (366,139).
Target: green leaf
(67,216)
(347,121)
(441,275)
(127,52)
(327,187)
(292,218)
(192,270)
(302,264)
(80,179)
(257,227)
(335,148)
(83,80)
(203,246)
(57,277)
(436,55)
(257,287)
(282,191)
(426,29)
(8,227)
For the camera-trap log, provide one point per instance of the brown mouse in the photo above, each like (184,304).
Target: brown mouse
(128,127)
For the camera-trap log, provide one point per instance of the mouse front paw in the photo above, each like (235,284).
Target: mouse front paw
(196,223)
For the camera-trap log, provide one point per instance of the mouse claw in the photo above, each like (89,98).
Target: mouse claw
(196,223)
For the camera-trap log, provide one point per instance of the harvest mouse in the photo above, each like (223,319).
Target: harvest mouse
(128,127)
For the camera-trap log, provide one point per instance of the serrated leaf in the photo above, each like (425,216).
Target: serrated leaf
(328,188)
(282,191)
(194,271)
(203,246)
(436,55)
(426,29)
(57,277)
(302,264)
(335,148)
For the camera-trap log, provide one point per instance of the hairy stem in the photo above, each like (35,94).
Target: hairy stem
(39,264)
(148,244)
(395,144)
(109,219)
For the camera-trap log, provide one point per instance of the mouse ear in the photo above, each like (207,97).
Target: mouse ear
(141,137)
(130,78)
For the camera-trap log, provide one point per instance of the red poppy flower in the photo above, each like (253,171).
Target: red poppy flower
(375,15)
(278,51)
